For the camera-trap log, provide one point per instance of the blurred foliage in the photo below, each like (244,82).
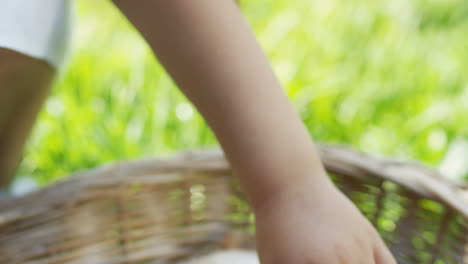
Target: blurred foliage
(383,76)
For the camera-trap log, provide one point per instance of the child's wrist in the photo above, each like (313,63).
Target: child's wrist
(310,185)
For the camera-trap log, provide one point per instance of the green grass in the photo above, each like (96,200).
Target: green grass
(383,76)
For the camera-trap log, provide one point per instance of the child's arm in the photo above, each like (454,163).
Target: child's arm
(210,52)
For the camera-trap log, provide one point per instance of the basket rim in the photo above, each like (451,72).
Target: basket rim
(413,176)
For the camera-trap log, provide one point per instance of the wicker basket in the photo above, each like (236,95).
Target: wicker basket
(160,211)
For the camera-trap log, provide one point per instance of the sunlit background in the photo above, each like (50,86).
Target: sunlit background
(387,77)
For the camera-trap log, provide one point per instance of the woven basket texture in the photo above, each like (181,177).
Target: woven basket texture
(157,211)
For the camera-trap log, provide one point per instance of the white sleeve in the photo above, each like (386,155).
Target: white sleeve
(37,28)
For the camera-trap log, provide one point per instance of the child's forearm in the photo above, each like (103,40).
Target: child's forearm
(210,52)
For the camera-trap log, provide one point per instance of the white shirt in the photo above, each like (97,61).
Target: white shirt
(38,28)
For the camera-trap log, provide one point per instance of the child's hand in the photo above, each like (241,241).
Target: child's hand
(317,224)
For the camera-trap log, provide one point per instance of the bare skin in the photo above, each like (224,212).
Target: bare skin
(24,85)
(209,50)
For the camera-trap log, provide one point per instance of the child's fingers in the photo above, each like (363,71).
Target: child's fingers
(383,256)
